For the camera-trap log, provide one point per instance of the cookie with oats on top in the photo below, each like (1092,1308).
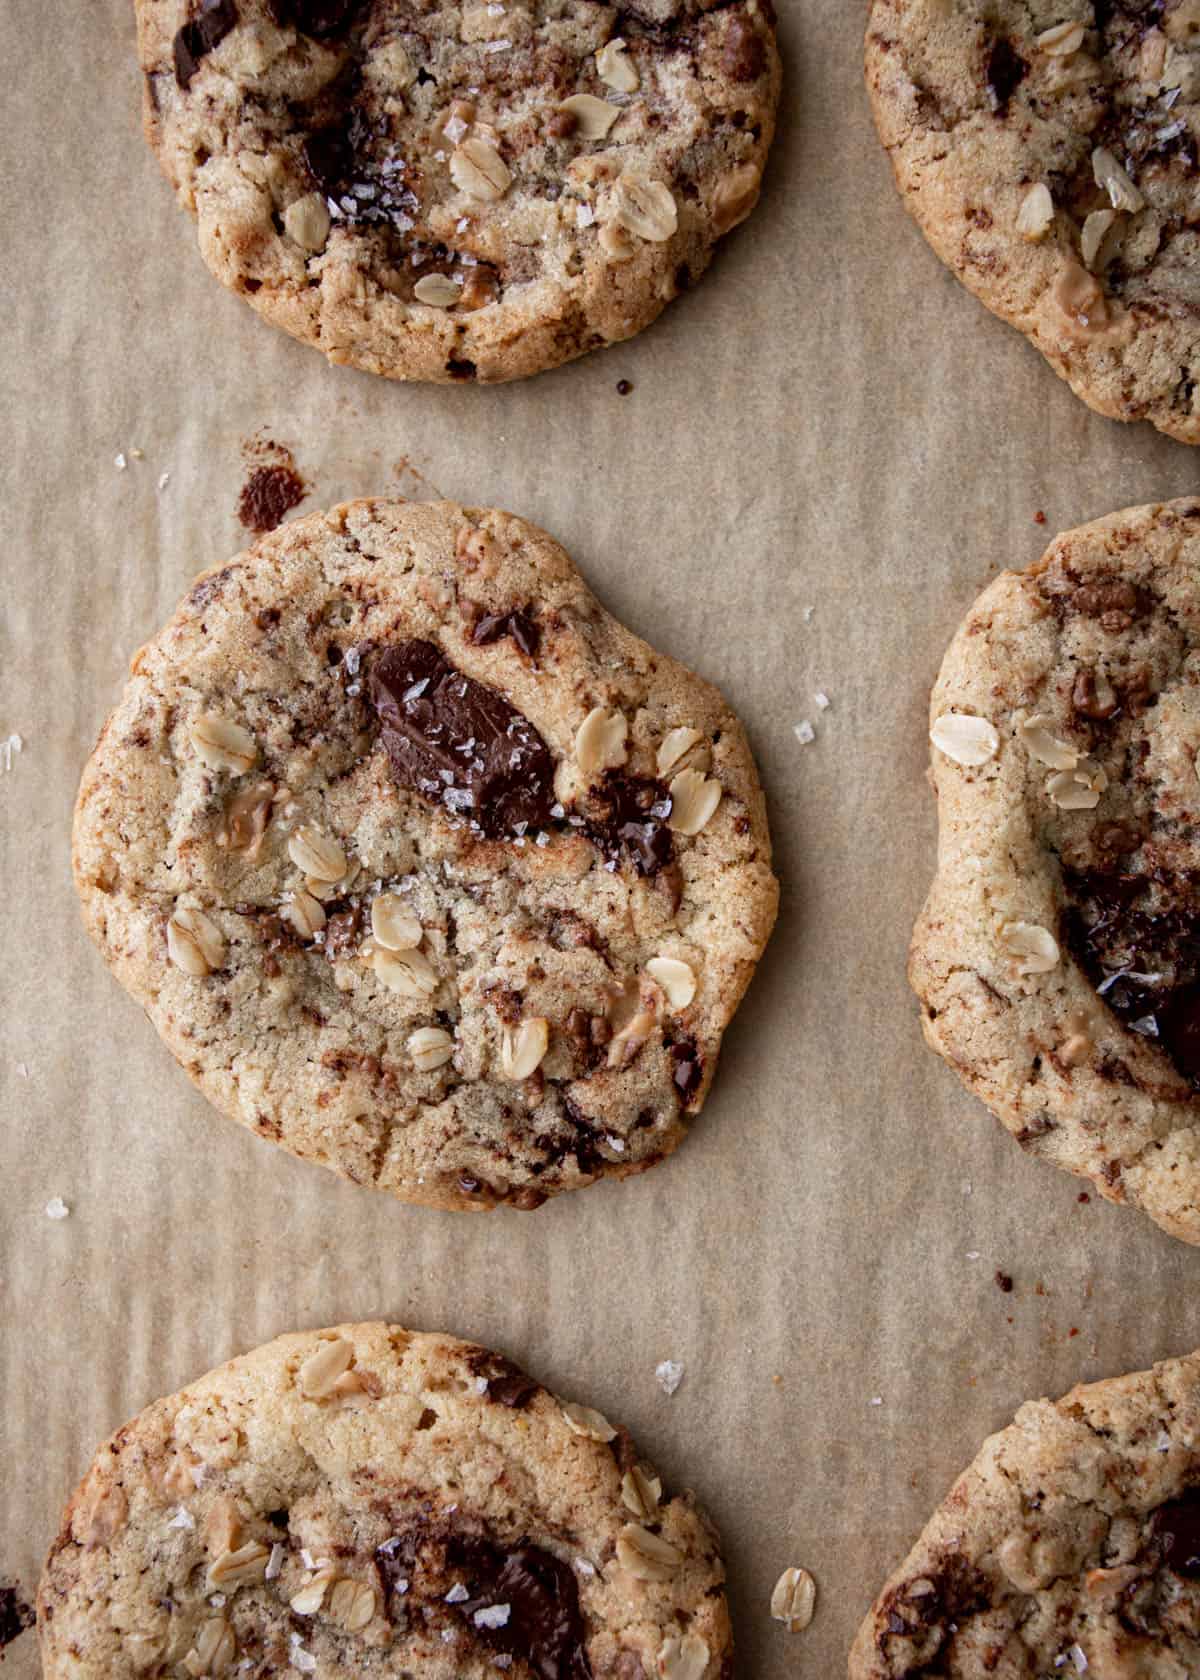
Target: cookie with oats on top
(374,1502)
(422,865)
(1070,1546)
(1057,958)
(460,191)
(1049,154)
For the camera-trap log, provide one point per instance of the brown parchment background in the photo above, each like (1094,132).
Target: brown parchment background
(829,421)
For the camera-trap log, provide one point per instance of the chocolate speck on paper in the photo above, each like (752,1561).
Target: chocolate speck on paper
(273,485)
(16,1617)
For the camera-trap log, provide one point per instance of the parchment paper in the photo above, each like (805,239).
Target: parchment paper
(829,423)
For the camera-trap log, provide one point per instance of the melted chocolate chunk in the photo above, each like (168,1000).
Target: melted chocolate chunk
(268,496)
(458,743)
(545,1626)
(689,1068)
(1176,1527)
(633,822)
(517,622)
(320,18)
(1143,958)
(1005,71)
(583,1141)
(359,173)
(15,1616)
(205,29)
(507,1384)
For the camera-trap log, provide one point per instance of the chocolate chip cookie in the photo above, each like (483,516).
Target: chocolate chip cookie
(1048,152)
(423,866)
(460,191)
(1057,958)
(372,1502)
(1070,1546)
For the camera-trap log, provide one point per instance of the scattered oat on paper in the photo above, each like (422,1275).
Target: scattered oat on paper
(669,1374)
(56,1208)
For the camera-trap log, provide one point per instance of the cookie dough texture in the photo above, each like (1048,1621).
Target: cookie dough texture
(459,191)
(1071,1546)
(370,1502)
(1056,956)
(506,976)
(1048,152)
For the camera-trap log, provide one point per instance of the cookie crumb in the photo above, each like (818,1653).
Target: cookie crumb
(1004,1283)
(1039,517)
(56,1208)
(15,1616)
(624,387)
(1083,1196)
(670,1374)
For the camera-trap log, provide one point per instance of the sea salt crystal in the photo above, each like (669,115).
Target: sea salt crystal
(876,1400)
(56,1208)
(182,1519)
(804,732)
(584,215)
(1077,1657)
(275,1563)
(822,700)
(491,1616)
(120,462)
(669,1374)
(457,1594)
(454,129)
(302,1659)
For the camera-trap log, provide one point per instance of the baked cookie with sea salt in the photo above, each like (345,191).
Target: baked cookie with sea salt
(371,1502)
(1070,1546)
(421,864)
(1057,958)
(1048,150)
(459,191)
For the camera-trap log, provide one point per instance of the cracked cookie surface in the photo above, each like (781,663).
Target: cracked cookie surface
(460,191)
(1049,153)
(1057,958)
(374,1502)
(421,864)
(1070,1546)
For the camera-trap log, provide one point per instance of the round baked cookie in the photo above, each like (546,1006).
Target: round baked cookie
(1048,150)
(1070,1546)
(371,1502)
(460,191)
(422,865)
(1057,958)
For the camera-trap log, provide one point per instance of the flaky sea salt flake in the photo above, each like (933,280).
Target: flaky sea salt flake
(669,1374)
